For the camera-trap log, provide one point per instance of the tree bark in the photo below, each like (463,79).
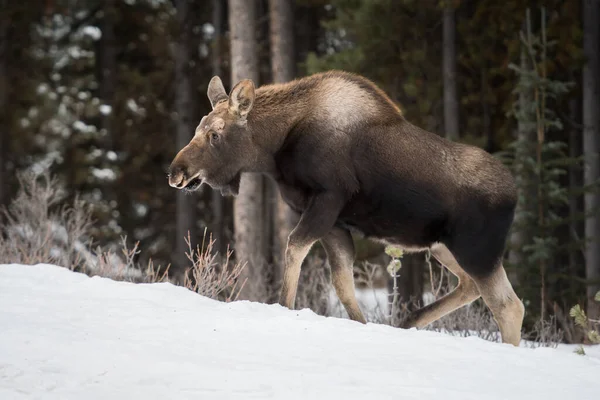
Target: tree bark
(186,204)
(282,40)
(283,65)
(409,281)
(591,146)
(4,24)
(108,69)
(217,201)
(485,111)
(107,80)
(575,202)
(248,205)
(518,235)
(449,66)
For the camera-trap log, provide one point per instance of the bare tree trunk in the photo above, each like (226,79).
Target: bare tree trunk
(217,201)
(575,182)
(108,68)
(591,147)
(282,40)
(4,24)
(248,205)
(409,281)
(186,204)
(518,235)
(485,108)
(449,66)
(283,65)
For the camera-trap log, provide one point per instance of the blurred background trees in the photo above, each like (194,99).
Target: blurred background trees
(104,93)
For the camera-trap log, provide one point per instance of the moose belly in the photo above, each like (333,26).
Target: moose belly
(403,218)
(396,218)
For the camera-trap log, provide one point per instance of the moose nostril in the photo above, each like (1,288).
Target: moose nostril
(177,178)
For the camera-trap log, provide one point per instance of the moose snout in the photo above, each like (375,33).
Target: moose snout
(177,177)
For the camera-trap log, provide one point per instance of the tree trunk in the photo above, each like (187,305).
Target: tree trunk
(248,205)
(4,23)
(591,146)
(449,66)
(108,69)
(283,65)
(518,234)
(410,280)
(186,204)
(485,110)
(217,201)
(575,206)
(282,40)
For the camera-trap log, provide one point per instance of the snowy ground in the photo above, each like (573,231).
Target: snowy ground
(66,336)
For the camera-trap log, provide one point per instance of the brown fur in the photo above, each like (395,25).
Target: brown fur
(346,160)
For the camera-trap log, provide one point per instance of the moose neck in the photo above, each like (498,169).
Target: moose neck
(274,113)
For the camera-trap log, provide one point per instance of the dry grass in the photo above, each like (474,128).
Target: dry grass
(314,286)
(365,277)
(206,276)
(123,266)
(37,229)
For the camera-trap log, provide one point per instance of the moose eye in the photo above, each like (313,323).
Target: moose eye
(214,137)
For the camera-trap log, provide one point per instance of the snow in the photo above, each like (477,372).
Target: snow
(43,88)
(83,127)
(105,109)
(92,31)
(111,155)
(135,108)
(105,174)
(64,335)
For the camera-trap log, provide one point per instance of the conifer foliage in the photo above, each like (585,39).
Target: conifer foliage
(539,160)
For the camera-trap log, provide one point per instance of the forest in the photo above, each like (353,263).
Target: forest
(98,96)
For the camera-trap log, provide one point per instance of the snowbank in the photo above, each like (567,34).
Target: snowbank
(64,335)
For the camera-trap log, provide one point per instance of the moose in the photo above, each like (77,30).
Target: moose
(347,161)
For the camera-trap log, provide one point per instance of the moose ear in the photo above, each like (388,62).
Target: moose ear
(241,98)
(216,92)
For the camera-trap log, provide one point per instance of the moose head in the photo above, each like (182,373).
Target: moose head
(222,145)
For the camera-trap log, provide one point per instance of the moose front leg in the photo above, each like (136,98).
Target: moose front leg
(316,221)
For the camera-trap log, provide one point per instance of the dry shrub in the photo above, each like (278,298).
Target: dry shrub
(259,285)
(471,320)
(37,229)
(545,333)
(206,276)
(366,278)
(124,267)
(314,285)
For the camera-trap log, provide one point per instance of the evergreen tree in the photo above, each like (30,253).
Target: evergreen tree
(539,162)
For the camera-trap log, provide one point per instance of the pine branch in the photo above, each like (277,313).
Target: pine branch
(579,316)
(79,23)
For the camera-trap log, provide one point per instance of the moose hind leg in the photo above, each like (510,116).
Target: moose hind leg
(340,252)
(507,308)
(466,292)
